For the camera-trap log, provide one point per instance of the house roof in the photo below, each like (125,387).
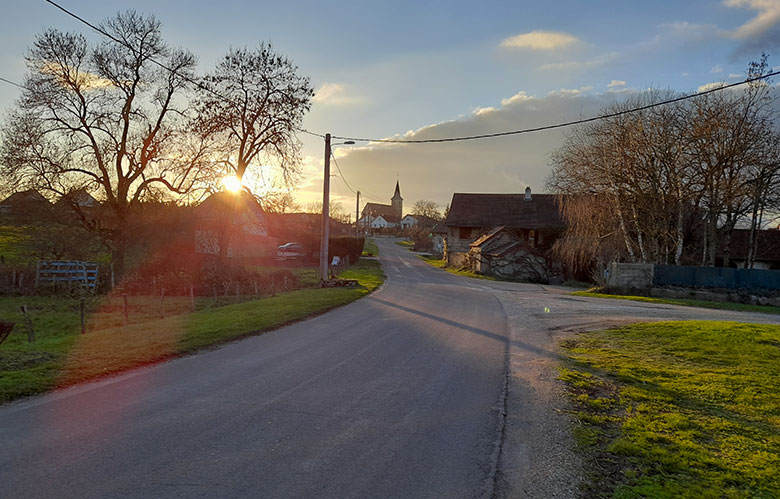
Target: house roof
(439,228)
(25,197)
(510,210)
(422,220)
(486,237)
(376,209)
(79,197)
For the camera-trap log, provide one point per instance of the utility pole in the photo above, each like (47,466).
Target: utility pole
(357,215)
(325,214)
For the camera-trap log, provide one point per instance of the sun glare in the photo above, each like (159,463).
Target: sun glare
(231,183)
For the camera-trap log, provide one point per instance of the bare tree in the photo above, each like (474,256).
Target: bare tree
(250,107)
(427,209)
(107,119)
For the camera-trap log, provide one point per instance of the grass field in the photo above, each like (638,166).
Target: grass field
(441,264)
(678,409)
(740,307)
(62,356)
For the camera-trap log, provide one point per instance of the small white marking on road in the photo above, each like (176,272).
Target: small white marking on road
(406,263)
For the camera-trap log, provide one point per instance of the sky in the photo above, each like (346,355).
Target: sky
(434,69)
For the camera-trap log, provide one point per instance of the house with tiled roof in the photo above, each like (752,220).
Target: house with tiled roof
(533,219)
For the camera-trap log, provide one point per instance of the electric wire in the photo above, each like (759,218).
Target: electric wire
(561,125)
(445,139)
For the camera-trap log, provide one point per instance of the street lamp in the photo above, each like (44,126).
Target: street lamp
(324,274)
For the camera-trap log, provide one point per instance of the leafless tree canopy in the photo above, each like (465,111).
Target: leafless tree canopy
(105,118)
(427,209)
(670,184)
(250,107)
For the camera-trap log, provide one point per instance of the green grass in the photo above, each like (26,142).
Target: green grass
(442,264)
(678,409)
(61,356)
(739,307)
(370,248)
(405,244)
(308,277)
(13,245)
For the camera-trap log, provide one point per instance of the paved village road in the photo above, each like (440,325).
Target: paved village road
(395,395)
(434,386)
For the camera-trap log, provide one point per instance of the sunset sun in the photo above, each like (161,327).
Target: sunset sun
(231,183)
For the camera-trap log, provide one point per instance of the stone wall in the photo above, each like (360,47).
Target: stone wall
(630,276)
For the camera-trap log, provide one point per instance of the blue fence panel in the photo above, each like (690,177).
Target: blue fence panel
(716,277)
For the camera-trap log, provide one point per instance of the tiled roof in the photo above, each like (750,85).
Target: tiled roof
(385,210)
(510,210)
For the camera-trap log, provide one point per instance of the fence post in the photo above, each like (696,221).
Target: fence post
(83,322)
(216,298)
(28,324)
(192,296)
(124,310)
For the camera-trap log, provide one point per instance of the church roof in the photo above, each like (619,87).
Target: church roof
(397,194)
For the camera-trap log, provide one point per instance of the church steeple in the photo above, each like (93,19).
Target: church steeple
(397,201)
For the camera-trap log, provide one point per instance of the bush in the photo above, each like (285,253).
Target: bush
(346,246)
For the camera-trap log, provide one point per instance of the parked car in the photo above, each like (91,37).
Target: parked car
(290,251)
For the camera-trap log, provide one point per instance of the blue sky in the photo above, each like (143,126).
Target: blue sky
(435,68)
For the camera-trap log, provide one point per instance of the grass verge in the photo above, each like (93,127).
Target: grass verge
(405,244)
(678,409)
(61,356)
(739,307)
(442,264)
(370,248)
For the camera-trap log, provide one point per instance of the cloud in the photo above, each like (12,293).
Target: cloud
(735,76)
(711,86)
(435,171)
(759,33)
(617,83)
(520,96)
(574,65)
(336,94)
(539,40)
(716,69)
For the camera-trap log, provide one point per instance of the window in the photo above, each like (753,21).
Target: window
(465,233)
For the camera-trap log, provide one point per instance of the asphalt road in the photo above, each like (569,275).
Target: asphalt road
(397,395)
(435,386)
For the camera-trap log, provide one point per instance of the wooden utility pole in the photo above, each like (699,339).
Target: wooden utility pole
(325,210)
(357,215)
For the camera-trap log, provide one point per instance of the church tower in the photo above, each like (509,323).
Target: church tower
(397,201)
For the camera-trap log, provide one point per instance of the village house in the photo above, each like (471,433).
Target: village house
(420,221)
(234,220)
(500,233)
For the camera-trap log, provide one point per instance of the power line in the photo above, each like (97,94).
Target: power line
(341,173)
(561,125)
(441,140)
(12,83)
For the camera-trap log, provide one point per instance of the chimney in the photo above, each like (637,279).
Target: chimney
(527,193)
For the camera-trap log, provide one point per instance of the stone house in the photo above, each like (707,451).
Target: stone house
(506,253)
(533,219)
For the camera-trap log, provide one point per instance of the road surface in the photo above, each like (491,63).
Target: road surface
(435,386)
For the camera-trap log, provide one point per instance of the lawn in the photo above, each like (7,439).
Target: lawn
(442,264)
(678,409)
(370,248)
(740,307)
(61,356)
